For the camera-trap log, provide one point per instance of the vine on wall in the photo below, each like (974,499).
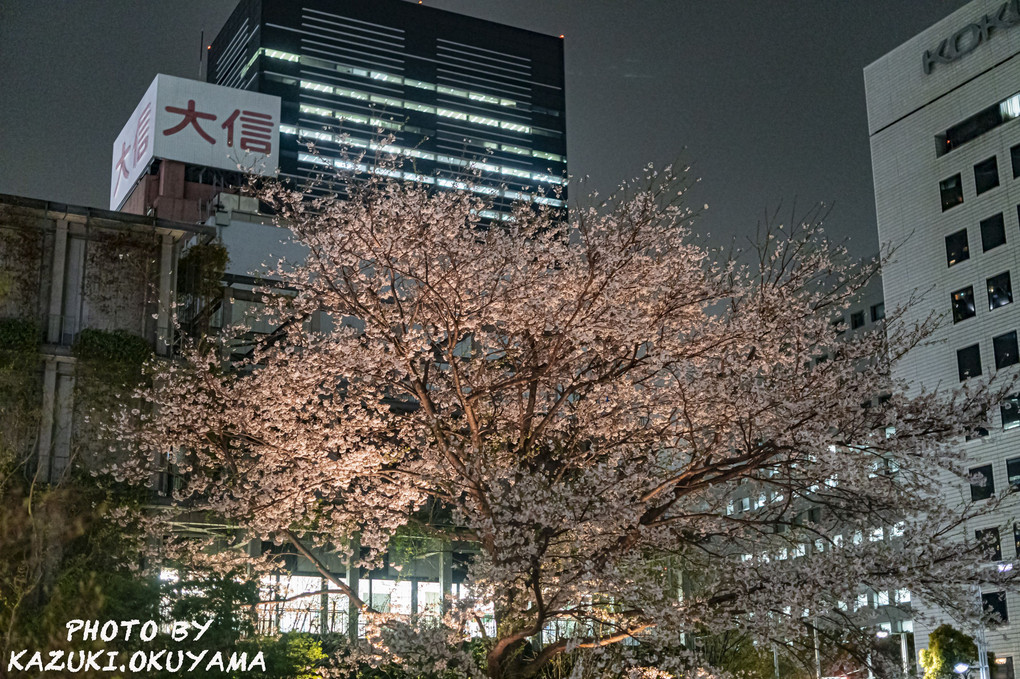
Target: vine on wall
(200,285)
(200,270)
(21,248)
(120,278)
(110,365)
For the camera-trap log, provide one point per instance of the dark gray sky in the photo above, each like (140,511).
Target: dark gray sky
(764,99)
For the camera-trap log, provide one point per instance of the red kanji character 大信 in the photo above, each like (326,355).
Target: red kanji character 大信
(256,131)
(191,117)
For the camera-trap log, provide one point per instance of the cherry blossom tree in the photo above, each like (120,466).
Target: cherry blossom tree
(585,397)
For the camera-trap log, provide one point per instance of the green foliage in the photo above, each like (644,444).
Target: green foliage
(200,270)
(479,649)
(743,658)
(947,646)
(20,391)
(227,600)
(294,655)
(115,346)
(19,335)
(6,284)
(61,557)
(109,362)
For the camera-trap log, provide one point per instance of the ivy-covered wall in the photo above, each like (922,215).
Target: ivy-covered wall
(120,281)
(21,266)
(84,296)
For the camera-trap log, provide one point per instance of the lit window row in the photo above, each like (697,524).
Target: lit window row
(877,598)
(507,148)
(803,548)
(393,125)
(746,504)
(425,179)
(976,125)
(347,140)
(353,117)
(391,78)
(413,106)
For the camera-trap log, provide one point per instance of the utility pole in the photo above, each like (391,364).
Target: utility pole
(904,654)
(982,643)
(818,650)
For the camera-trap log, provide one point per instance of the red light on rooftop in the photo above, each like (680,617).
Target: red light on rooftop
(561,35)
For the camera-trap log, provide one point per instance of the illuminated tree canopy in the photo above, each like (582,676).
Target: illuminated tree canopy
(585,397)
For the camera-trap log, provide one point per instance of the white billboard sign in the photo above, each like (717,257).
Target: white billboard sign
(199,124)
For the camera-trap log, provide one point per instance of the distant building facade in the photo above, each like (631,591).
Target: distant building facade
(945,146)
(461,100)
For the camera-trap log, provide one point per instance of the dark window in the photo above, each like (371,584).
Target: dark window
(1014,157)
(951,191)
(977,433)
(963,304)
(877,312)
(856,320)
(1013,475)
(995,607)
(988,541)
(980,429)
(993,232)
(957,248)
(1010,411)
(968,361)
(982,485)
(1005,350)
(986,175)
(1000,292)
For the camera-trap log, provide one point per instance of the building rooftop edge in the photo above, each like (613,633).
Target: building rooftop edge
(100,213)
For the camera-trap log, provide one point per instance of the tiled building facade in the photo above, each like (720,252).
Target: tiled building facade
(945,147)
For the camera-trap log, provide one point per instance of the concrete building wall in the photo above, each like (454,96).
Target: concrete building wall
(68,269)
(909,110)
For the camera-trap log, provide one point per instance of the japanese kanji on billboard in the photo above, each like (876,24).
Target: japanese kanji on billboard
(196,123)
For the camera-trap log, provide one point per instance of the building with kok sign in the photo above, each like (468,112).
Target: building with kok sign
(943,113)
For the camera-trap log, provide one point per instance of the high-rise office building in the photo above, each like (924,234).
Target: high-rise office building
(945,145)
(462,100)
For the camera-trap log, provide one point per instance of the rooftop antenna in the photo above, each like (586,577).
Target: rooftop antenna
(201,52)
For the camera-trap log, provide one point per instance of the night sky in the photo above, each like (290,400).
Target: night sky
(764,99)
